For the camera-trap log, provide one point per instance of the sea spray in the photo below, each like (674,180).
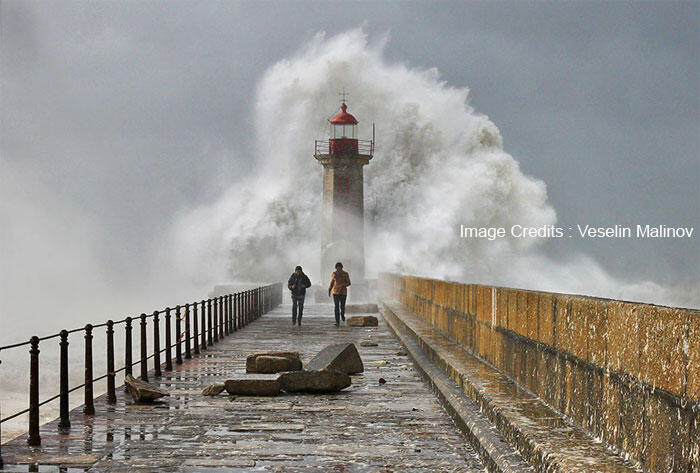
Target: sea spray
(438,165)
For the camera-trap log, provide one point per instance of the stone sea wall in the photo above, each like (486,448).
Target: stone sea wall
(627,372)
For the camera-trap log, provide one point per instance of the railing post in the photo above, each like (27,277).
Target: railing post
(178,337)
(127,349)
(216,323)
(237,309)
(111,393)
(209,327)
(204,326)
(195,333)
(188,351)
(230,314)
(156,345)
(234,313)
(221,317)
(168,341)
(227,302)
(34,438)
(227,320)
(89,407)
(144,349)
(257,303)
(64,423)
(247,310)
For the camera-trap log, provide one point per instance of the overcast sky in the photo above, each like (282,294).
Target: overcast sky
(123,113)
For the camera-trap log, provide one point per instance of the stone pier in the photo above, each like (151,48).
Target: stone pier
(396,426)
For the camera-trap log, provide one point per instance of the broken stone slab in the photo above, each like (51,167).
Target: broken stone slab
(276,364)
(143,392)
(213,390)
(254,385)
(361,309)
(293,356)
(342,357)
(324,381)
(362,321)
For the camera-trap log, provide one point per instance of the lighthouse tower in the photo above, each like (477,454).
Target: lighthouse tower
(342,227)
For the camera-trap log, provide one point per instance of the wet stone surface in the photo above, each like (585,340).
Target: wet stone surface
(368,427)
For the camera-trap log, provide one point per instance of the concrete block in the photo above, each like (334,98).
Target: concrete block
(623,338)
(362,321)
(293,356)
(341,357)
(662,363)
(597,331)
(325,381)
(532,315)
(254,385)
(693,363)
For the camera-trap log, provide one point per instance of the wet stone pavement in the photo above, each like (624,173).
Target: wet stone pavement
(369,427)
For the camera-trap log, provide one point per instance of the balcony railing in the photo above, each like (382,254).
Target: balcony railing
(324,147)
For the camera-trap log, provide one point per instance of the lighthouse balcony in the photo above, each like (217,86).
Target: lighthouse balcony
(335,146)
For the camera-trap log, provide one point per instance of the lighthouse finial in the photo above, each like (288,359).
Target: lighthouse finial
(343,95)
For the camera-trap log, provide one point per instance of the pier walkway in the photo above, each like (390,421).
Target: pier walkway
(398,426)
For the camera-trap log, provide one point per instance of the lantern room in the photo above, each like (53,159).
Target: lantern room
(343,132)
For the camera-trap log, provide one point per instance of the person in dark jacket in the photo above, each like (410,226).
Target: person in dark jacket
(298,282)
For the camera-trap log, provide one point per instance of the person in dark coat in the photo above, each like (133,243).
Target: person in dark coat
(298,282)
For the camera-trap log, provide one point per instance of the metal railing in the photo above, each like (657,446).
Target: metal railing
(205,323)
(363,147)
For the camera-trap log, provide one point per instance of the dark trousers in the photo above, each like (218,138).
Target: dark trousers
(297,308)
(339,301)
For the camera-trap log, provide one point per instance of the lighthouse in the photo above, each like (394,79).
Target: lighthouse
(343,156)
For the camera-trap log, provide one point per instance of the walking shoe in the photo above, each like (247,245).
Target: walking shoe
(342,317)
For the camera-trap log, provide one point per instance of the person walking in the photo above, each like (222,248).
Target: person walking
(340,280)
(298,282)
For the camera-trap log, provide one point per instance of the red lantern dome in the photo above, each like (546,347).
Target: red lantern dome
(343,118)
